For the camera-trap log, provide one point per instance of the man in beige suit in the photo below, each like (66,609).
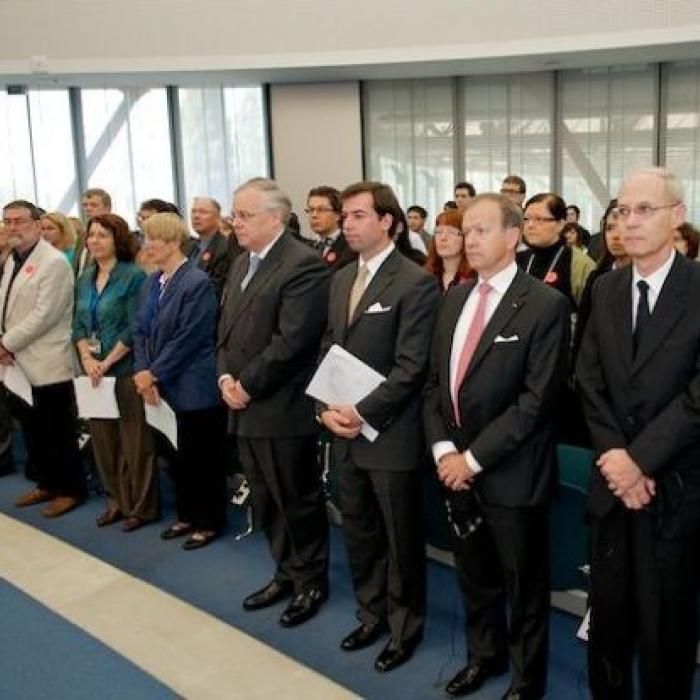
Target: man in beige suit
(36,307)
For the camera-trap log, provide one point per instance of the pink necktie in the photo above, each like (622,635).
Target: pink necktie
(472,340)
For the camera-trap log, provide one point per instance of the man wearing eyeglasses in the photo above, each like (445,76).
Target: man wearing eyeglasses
(323,211)
(272,319)
(639,372)
(36,303)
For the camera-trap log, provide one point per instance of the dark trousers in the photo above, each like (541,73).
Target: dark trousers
(125,455)
(51,439)
(285,481)
(197,467)
(643,595)
(383,526)
(505,564)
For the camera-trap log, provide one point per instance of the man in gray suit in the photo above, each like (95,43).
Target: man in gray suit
(382,309)
(36,307)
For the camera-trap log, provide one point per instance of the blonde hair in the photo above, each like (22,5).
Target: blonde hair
(67,236)
(166,227)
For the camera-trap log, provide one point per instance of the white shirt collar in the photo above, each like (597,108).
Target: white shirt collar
(503,279)
(261,255)
(376,262)
(656,279)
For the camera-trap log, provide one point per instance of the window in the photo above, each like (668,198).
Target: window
(409,129)
(17,181)
(223,139)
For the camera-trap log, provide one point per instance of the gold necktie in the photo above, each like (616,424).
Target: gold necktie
(358,289)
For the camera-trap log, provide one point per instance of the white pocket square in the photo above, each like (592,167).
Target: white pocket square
(509,339)
(377,308)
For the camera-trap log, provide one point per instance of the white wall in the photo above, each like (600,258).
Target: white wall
(316,137)
(300,39)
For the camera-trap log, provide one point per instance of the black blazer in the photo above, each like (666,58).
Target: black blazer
(216,261)
(508,398)
(269,337)
(648,404)
(396,343)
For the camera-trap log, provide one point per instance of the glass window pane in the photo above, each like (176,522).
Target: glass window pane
(409,137)
(607,130)
(17,181)
(682,130)
(508,130)
(54,155)
(223,133)
(127,145)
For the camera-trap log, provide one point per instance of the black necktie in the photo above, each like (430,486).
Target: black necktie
(643,313)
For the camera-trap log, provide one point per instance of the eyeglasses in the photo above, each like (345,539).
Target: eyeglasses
(505,190)
(539,219)
(16,222)
(643,211)
(318,210)
(449,231)
(245,215)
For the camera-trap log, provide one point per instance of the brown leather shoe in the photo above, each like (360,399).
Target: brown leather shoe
(109,517)
(33,497)
(60,505)
(133,523)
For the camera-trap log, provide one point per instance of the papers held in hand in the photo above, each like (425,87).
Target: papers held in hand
(343,379)
(96,401)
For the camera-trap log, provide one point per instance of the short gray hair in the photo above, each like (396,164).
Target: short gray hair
(208,200)
(275,196)
(672,185)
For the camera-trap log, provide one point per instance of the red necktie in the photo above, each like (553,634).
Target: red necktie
(472,340)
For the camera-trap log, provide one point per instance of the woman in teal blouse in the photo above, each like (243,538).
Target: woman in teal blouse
(106,300)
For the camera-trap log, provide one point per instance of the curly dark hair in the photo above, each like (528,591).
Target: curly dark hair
(125,245)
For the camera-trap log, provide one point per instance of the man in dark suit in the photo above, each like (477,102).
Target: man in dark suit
(273,316)
(382,310)
(639,372)
(213,253)
(323,210)
(497,367)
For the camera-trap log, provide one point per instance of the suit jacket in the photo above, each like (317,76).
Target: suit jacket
(174,338)
(216,261)
(38,315)
(396,343)
(649,402)
(508,397)
(269,336)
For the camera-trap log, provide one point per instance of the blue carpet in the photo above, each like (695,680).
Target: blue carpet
(216,579)
(43,656)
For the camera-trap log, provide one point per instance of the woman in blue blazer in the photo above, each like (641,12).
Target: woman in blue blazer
(175,361)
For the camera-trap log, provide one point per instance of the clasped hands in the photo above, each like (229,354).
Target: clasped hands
(343,421)
(454,471)
(625,479)
(146,387)
(234,395)
(94,369)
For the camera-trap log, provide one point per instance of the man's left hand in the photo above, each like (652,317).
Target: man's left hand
(620,470)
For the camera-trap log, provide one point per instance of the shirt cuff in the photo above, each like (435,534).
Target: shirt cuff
(222,379)
(442,448)
(472,463)
(360,418)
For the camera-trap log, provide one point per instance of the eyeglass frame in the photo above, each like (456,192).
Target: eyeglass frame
(643,211)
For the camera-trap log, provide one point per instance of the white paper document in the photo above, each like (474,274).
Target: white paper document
(342,378)
(16,381)
(162,418)
(96,401)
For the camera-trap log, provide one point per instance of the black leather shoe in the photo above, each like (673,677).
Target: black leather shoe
(395,653)
(271,594)
(363,636)
(303,607)
(472,677)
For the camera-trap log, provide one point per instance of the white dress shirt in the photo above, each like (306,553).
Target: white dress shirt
(500,282)
(655,281)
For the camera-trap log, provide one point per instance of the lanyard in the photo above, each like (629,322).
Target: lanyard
(552,265)
(93,303)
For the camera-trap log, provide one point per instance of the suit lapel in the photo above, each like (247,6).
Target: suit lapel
(29,269)
(381,280)
(622,315)
(238,301)
(513,300)
(668,310)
